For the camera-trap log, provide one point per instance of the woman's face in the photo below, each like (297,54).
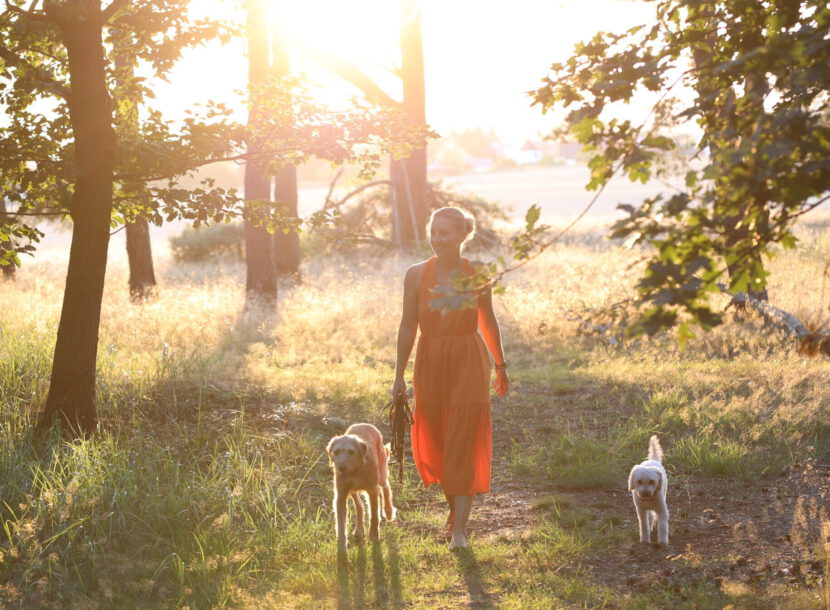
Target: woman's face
(445,236)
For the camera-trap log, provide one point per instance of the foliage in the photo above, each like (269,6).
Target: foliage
(204,243)
(758,73)
(36,146)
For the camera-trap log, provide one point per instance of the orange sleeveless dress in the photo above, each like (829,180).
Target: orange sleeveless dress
(451,435)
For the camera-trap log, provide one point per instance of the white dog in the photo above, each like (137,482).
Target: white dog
(647,483)
(359,460)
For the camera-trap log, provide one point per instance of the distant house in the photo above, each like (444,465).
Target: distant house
(528,154)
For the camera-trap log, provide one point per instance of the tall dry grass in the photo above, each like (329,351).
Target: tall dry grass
(208,483)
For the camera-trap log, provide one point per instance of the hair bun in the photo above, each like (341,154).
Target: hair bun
(470,224)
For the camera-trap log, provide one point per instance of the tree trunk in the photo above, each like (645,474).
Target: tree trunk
(5,246)
(286,245)
(71,398)
(139,250)
(261,279)
(409,176)
(140,256)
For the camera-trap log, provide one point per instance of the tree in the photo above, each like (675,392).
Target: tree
(64,156)
(286,243)
(142,281)
(261,276)
(758,75)
(408,174)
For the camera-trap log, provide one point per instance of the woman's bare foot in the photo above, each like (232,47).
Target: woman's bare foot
(459,541)
(448,526)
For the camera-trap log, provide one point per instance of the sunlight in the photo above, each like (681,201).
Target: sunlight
(473,51)
(361,29)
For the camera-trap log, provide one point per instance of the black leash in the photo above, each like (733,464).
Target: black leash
(400,419)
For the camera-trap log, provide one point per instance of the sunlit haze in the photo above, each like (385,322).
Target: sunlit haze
(480,57)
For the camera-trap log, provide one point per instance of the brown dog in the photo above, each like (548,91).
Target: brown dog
(359,461)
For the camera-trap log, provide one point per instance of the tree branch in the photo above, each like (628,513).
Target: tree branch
(331,188)
(330,205)
(29,14)
(811,206)
(13,214)
(112,9)
(49,82)
(352,74)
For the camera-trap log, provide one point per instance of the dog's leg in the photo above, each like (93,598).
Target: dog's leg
(340,517)
(663,527)
(374,512)
(643,519)
(359,527)
(389,510)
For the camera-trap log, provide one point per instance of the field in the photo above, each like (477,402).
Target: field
(209,486)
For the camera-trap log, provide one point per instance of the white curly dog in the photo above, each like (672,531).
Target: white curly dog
(647,483)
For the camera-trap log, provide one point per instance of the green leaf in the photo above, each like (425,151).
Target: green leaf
(532,217)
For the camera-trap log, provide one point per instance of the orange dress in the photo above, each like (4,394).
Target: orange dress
(451,435)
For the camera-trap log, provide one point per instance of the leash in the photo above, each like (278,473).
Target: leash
(400,419)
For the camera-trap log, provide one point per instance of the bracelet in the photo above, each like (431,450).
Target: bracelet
(501,367)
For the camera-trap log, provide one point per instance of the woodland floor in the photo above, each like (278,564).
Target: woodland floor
(745,536)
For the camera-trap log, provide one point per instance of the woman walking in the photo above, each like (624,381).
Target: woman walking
(451,435)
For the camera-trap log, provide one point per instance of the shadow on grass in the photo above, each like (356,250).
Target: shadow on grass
(471,573)
(351,583)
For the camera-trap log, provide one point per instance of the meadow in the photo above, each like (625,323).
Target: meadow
(208,484)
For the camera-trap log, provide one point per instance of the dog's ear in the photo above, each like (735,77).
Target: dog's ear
(364,449)
(659,481)
(329,446)
(631,479)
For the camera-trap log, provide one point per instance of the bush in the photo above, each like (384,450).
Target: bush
(205,243)
(367,220)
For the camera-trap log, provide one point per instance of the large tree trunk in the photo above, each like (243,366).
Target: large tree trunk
(140,256)
(286,245)
(409,176)
(71,398)
(261,280)
(5,246)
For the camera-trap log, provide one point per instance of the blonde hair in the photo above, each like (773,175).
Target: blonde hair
(463,219)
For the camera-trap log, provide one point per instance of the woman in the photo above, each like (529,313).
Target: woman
(451,434)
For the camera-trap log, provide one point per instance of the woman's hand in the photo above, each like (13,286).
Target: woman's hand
(399,387)
(501,383)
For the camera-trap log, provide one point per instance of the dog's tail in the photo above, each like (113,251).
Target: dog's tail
(655,451)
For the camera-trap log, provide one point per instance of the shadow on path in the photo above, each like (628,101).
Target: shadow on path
(351,579)
(471,573)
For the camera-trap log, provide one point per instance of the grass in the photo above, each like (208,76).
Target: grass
(208,484)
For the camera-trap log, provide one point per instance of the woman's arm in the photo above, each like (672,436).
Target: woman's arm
(492,337)
(408,328)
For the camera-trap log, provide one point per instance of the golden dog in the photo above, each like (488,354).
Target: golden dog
(359,460)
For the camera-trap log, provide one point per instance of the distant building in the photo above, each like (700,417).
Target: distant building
(528,154)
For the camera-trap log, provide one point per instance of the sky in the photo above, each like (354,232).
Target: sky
(481,56)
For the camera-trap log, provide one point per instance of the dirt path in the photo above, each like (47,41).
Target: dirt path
(747,535)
